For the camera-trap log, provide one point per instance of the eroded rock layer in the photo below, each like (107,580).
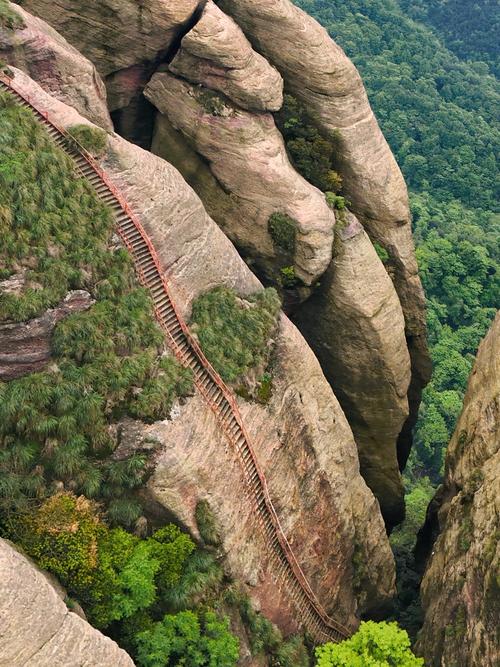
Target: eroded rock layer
(355,325)
(60,69)
(36,627)
(303,441)
(247,157)
(461,586)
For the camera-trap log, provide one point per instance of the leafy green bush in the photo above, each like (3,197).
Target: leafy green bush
(283,231)
(311,153)
(93,139)
(190,639)
(9,18)
(234,333)
(374,645)
(288,279)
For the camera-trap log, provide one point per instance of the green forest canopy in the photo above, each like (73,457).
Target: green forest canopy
(438,114)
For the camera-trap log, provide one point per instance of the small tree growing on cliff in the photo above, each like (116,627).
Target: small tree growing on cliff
(374,645)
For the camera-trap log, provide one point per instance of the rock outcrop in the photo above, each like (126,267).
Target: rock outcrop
(302,438)
(215,53)
(36,627)
(254,177)
(461,587)
(25,346)
(60,69)
(355,325)
(220,69)
(320,75)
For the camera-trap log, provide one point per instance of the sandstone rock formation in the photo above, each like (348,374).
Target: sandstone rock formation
(247,156)
(355,325)
(139,34)
(302,438)
(212,87)
(216,54)
(320,75)
(461,586)
(60,69)
(25,346)
(36,627)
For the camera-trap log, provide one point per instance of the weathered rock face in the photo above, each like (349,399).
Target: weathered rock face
(355,325)
(461,586)
(216,54)
(47,57)
(122,38)
(302,439)
(214,129)
(247,156)
(320,75)
(25,346)
(38,630)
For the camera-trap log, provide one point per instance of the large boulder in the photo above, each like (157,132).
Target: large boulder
(302,438)
(355,325)
(461,587)
(124,39)
(36,627)
(248,159)
(217,54)
(59,68)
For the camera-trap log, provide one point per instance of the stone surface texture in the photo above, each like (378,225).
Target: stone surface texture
(319,74)
(216,54)
(36,627)
(355,325)
(461,586)
(25,346)
(58,67)
(216,79)
(302,437)
(124,39)
(247,156)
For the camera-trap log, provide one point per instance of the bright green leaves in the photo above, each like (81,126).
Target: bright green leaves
(374,645)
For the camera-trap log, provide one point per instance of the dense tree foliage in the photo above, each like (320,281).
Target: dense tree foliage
(373,645)
(438,114)
(469,29)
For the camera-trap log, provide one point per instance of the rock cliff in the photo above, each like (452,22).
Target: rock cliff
(220,71)
(302,438)
(461,586)
(355,325)
(46,56)
(36,627)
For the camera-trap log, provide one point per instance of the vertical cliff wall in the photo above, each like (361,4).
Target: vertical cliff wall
(220,71)
(461,586)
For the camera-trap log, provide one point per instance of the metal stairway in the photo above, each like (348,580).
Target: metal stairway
(285,568)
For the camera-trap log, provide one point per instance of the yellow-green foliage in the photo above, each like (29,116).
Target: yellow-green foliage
(111,572)
(374,645)
(54,424)
(283,231)
(93,139)
(233,333)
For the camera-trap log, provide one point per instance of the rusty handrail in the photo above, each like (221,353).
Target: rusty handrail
(195,347)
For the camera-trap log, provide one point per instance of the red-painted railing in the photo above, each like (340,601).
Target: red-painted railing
(331,630)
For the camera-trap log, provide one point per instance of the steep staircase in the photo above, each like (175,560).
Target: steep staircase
(285,568)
